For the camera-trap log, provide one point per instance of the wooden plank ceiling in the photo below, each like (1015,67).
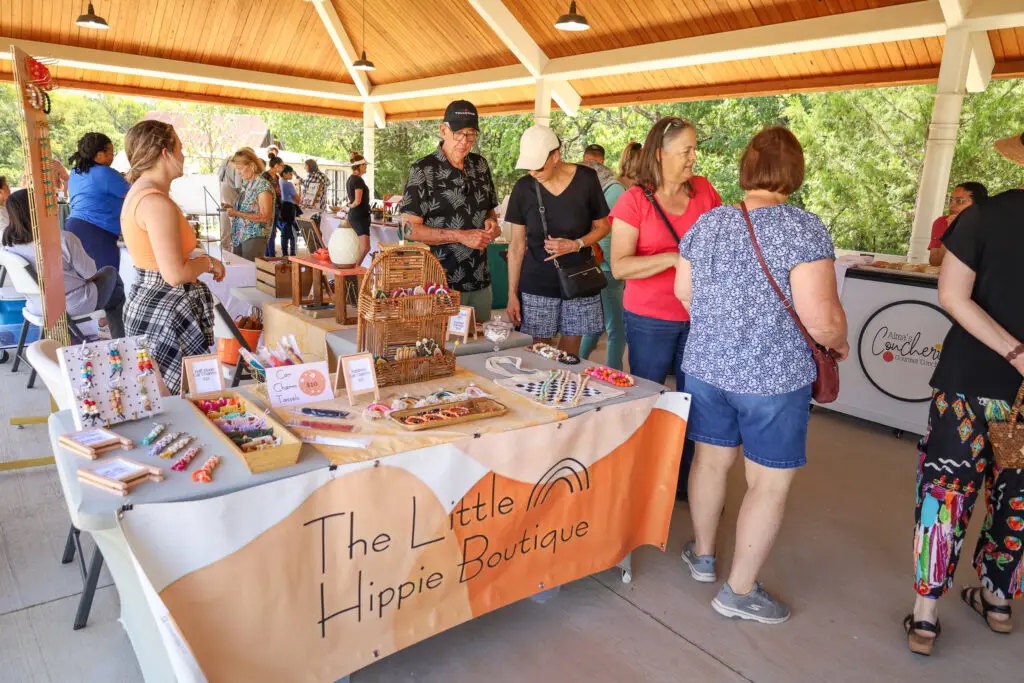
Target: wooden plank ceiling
(413,39)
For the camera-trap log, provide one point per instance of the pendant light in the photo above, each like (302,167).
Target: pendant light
(572,21)
(91,20)
(364,64)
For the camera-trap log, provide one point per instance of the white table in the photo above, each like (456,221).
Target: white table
(238,273)
(345,343)
(378,233)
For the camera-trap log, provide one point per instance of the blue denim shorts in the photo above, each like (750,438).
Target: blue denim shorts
(771,429)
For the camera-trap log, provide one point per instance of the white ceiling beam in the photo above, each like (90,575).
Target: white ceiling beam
(981,62)
(373,115)
(955,11)
(512,33)
(342,43)
(992,15)
(525,48)
(902,22)
(155,67)
(470,81)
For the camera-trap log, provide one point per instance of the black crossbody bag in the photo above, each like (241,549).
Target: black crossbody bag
(575,282)
(661,212)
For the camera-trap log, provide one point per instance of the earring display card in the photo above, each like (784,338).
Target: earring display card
(112,381)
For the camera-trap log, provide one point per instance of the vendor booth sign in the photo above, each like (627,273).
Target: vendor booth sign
(313,577)
(899,347)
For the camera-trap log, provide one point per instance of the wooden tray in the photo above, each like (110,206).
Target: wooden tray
(285,455)
(474,404)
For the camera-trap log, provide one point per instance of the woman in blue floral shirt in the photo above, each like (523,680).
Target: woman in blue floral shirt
(253,213)
(748,368)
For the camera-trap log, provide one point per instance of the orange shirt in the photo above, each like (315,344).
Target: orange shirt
(137,240)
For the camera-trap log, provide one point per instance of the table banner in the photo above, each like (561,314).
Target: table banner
(316,576)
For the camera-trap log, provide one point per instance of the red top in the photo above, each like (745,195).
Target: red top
(653,297)
(939,228)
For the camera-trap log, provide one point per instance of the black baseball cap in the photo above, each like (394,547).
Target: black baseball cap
(462,114)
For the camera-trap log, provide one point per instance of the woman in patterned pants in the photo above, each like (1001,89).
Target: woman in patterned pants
(977,378)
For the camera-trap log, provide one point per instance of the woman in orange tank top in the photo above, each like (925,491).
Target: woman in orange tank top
(167,303)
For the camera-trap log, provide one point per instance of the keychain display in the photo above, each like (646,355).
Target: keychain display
(188,456)
(204,475)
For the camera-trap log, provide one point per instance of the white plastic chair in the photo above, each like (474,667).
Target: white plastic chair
(42,356)
(25,284)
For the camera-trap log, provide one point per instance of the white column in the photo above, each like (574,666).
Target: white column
(542,104)
(369,138)
(942,133)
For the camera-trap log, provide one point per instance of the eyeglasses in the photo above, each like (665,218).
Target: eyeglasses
(957,201)
(465,136)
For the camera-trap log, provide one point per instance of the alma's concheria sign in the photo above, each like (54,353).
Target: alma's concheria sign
(900,345)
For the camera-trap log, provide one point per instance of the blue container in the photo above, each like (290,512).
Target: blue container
(9,335)
(11,304)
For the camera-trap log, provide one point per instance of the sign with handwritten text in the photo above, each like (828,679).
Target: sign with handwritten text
(293,385)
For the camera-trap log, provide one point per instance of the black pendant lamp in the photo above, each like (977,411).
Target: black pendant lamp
(92,20)
(364,64)
(573,21)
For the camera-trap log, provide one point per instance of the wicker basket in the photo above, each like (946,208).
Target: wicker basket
(1008,438)
(385,325)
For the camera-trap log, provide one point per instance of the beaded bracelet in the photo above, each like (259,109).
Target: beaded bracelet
(610,375)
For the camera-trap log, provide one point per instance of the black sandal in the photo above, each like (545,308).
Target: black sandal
(975,599)
(921,645)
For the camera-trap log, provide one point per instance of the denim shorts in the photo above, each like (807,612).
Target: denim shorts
(771,429)
(544,316)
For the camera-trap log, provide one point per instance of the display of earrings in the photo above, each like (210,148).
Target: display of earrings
(109,389)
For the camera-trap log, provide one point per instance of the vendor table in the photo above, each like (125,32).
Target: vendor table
(165,655)
(281,318)
(344,343)
(896,330)
(346,285)
(254,296)
(238,272)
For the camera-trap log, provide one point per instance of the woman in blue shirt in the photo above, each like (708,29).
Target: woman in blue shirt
(97,192)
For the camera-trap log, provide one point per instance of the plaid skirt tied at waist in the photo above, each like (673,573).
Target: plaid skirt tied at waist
(177,321)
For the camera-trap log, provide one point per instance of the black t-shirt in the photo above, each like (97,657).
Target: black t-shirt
(989,239)
(360,213)
(569,216)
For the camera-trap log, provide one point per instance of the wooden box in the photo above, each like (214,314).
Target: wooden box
(285,455)
(274,277)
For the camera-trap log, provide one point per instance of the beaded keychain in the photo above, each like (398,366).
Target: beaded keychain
(175,447)
(88,378)
(145,364)
(204,475)
(117,402)
(90,412)
(116,366)
(158,429)
(188,456)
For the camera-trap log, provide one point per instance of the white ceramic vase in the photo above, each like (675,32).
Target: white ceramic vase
(344,246)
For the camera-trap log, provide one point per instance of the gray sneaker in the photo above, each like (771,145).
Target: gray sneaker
(756,605)
(702,567)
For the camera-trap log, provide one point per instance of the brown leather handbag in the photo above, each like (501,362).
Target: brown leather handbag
(826,386)
(1008,437)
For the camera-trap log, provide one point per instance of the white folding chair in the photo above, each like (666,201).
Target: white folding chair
(24,282)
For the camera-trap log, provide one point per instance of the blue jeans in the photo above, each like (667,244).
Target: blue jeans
(655,350)
(98,243)
(611,302)
(271,246)
(288,230)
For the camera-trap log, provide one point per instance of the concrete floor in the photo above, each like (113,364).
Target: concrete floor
(842,562)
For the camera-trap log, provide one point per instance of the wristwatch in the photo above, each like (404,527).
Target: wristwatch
(580,244)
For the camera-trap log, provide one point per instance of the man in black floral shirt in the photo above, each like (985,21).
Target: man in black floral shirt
(449,202)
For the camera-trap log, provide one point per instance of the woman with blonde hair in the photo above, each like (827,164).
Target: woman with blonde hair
(359,204)
(253,212)
(167,303)
(629,164)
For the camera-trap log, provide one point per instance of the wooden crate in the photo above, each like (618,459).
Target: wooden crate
(274,277)
(285,455)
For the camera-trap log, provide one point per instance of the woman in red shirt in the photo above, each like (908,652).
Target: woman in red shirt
(645,249)
(964,195)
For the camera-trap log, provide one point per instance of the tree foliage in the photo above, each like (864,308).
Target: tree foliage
(864,149)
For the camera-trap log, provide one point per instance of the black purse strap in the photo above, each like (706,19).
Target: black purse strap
(661,212)
(543,217)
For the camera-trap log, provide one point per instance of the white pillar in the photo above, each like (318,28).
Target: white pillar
(942,133)
(369,138)
(542,104)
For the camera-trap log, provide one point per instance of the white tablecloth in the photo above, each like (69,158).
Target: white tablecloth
(239,273)
(378,233)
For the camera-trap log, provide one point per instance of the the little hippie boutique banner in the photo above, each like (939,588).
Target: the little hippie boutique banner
(313,577)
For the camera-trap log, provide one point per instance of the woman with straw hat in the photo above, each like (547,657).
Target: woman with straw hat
(974,386)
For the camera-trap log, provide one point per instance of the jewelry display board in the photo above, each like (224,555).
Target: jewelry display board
(112,381)
(559,392)
(33,82)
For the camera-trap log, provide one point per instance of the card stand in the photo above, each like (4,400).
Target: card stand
(285,455)
(119,476)
(95,442)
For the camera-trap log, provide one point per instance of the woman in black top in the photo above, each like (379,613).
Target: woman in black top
(975,384)
(359,204)
(577,217)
